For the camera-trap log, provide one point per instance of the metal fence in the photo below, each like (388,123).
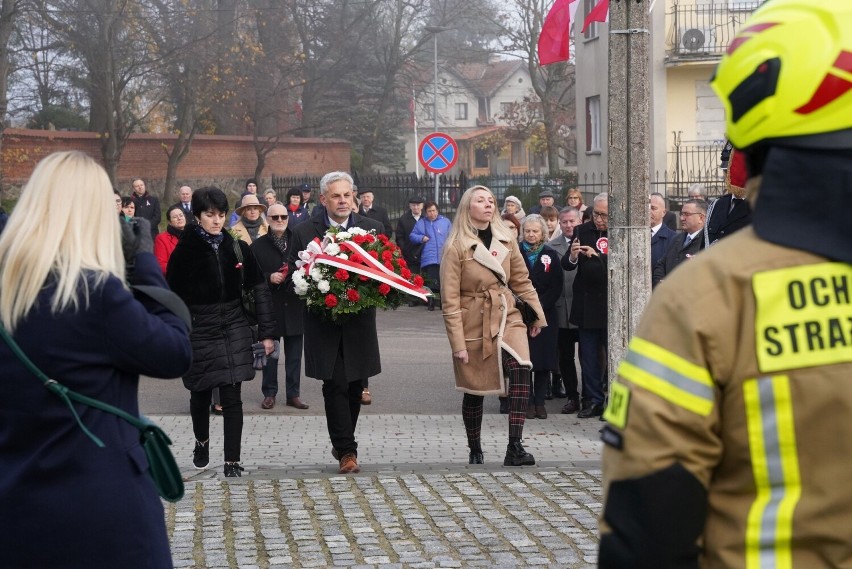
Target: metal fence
(392,191)
(706,30)
(688,163)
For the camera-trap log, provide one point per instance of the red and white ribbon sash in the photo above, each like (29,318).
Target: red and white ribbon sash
(366,266)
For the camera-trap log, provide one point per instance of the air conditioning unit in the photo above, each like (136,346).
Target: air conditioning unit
(697,40)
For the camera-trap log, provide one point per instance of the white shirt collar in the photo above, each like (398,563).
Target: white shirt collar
(656,228)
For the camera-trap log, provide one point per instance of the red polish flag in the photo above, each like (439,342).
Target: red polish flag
(554,38)
(599,13)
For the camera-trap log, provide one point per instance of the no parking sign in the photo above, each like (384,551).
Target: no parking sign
(438,152)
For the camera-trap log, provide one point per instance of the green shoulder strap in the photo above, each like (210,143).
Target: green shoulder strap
(67,395)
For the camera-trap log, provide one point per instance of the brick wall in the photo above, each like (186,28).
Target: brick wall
(225,161)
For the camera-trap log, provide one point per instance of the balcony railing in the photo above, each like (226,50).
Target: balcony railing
(704,31)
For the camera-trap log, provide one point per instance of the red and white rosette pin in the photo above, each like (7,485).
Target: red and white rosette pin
(602,245)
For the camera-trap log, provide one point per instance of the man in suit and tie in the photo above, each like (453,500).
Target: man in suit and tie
(569,218)
(185,203)
(661,234)
(341,355)
(686,243)
(380,214)
(731,212)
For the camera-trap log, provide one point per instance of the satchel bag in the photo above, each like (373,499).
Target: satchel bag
(246,297)
(162,467)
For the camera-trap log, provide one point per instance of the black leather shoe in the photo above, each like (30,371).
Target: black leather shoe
(558,388)
(571,406)
(591,410)
(517,456)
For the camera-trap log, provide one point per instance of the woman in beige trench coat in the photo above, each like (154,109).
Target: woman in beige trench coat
(486,332)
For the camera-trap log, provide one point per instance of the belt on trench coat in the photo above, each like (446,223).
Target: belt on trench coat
(492,297)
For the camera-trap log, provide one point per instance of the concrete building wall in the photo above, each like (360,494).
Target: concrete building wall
(693,110)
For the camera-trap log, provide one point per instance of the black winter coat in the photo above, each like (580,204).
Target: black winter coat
(589,305)
(544,351)
(208,281)
(357,337)
(288,306)
(410,251)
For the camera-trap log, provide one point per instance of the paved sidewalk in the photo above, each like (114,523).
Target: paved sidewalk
(416,503)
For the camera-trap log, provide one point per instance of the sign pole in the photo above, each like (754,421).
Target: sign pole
(438,153)
(437,190)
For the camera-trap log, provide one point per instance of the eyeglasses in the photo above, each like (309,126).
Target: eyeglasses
(600,214)
(573,197)
(687,214)
(278,217)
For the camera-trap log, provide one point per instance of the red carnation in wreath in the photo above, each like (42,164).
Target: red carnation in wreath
(330,300)
(352,295)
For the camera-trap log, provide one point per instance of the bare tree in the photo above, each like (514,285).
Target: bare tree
(9,10)
(553,84)
(108,36)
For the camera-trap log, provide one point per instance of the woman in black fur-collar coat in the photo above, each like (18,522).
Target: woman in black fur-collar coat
(205,272)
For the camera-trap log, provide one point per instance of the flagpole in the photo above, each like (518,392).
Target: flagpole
(416,147)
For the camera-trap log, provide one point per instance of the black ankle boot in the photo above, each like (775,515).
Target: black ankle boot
(517,456)
(548,394)
(475,454)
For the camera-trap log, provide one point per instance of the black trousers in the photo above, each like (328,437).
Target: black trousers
(232,415)
(567,342)
(342,400)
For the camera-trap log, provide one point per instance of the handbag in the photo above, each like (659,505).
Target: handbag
(246,297)
(162,467)
(528,313)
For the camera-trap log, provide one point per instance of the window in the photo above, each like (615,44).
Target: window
(430,110)
(461,111)
(505,108)
(593,124)
(518,154)
(592,30)
(480,159)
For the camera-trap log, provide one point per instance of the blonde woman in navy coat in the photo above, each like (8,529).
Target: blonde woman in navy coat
(64,502)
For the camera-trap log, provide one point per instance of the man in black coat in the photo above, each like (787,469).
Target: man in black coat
(185,203)
(686,243)
(345,354)
(147,206)
(661,234)
(588,256)
(272,252)
(410,251)
(731,212)
(380,214)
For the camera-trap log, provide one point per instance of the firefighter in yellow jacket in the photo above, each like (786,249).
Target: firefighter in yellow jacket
(728,440)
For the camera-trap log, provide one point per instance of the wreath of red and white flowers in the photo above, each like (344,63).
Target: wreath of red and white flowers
(351,270)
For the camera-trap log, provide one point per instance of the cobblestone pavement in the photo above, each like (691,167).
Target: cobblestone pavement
(416,503)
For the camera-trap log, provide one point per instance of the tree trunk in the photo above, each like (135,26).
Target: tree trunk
(8,13)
